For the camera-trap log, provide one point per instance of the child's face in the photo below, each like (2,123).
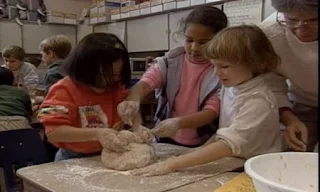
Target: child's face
(196,35)
(117,67)
(12,63)
(47,58)
(231,74)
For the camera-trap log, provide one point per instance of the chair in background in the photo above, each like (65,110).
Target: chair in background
(19,148)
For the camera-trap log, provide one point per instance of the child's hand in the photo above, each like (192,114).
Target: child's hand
(161,168)
(167,128)
(144,133)
(109,140)
(127,111)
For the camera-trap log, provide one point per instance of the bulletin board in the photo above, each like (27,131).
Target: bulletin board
(244,12)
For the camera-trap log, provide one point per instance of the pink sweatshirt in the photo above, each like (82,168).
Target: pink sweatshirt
(187,99)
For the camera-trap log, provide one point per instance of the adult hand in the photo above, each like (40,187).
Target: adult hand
(296,136)
(167,128)
(127,111)
(161,168)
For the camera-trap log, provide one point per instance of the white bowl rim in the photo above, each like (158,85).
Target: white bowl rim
(254,175)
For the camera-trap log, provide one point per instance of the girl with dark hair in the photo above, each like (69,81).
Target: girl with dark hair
(185,84)
(82,106)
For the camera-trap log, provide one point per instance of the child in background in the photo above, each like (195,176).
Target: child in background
(185,85)
(54,51)
(25,74)
(83,105)
(36,61)
(15,104)
(249,118)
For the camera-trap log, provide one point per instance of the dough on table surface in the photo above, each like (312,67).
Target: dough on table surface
(138,150)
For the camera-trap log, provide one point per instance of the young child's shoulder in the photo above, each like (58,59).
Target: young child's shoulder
(14,91)
(259,92)
(65,82)
(28,65)
(26,68)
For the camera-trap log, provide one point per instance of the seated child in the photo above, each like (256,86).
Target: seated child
(25,74)
(83,105)
(249,119)
(15,104)
(54,50)
(36,61)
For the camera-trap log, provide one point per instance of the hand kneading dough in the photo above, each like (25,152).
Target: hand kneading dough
(138,153)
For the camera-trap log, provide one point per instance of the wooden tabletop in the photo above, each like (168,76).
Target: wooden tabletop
(89,174)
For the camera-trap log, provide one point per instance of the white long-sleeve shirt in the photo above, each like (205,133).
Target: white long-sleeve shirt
(297,76)
(249,119)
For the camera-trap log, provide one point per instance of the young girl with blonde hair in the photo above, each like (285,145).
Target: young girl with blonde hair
(249,118)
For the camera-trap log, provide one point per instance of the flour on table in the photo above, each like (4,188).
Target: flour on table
(138,151)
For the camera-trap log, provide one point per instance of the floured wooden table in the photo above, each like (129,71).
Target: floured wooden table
(89,175)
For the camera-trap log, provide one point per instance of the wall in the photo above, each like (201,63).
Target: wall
(267,9)
(67,6)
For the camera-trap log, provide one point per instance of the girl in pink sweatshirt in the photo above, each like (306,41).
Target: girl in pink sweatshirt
(185,85)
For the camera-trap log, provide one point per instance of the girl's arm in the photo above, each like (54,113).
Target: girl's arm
(139,91)
(209,153)
(209,113)
(71,134)
(206,154)
(150,81)
(198,119)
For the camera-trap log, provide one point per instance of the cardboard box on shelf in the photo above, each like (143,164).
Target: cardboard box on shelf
(115,14)
(101,3)
(145,8)
(70,19)
(12,12)
(32,15)
(197,2)
(169,4)
(102,17)
(104,12)
(125,12)
(134,11)
(183,3)
(127,3)
(156,6)
(211,1)
(33,4)
(55,17)
(93,20)
(155,2)
(93,11)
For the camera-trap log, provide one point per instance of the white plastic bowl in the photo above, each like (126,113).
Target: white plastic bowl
(284,172)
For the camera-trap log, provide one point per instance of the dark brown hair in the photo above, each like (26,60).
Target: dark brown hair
(95,55)
(209,16)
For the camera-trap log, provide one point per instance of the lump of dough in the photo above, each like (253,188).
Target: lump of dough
(139,153)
